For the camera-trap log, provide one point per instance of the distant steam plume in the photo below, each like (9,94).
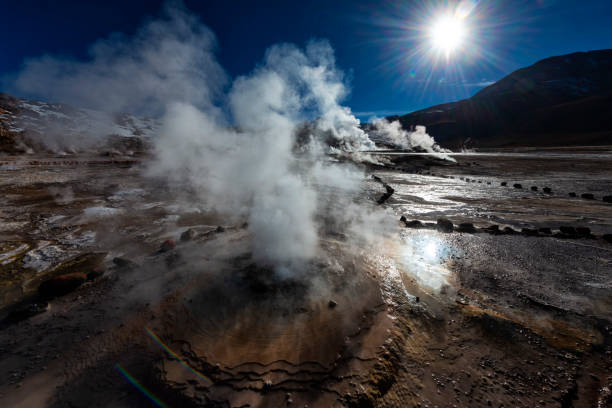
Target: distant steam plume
(393,133)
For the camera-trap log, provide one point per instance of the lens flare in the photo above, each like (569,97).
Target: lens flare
(157,340)
(140,387)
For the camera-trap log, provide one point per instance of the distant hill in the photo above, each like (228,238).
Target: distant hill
(32,126)
(564,100)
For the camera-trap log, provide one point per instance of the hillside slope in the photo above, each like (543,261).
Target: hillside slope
(564,100)
(27,126)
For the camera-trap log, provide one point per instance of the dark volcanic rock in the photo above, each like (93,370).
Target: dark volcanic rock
(583,232)
(572,194)
(27,310)
(545,231)
(466,227)
(587,196)
(384,198)
(571,231)
(509,231)
(389,190)
(444,225)
(167,245)
(61,285)
(528,232)
(607,237)
(492,229)
(332,304)
(411,224)
(534,188)
(503,184)
(607,199)
(189,235)
(517,185)
(547,190)
(96,272)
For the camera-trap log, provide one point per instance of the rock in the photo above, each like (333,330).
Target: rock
(27,310)
(607,238)
(492,229)
(189,235)
(444,225)
(509,231)
(571,231)
(587,196)
(220,229)
(583,232)
(528,232)
(607,199)
(534,188)
(383,198)
(545,231)
(517,185)
(61,285)
(167,245)
(332,304)
(413,224)
(466,227)
(387,195)
(547,190)
(123,263)
(572,194)
(503,184)
(96,272)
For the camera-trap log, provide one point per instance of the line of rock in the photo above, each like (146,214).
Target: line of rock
(563,232)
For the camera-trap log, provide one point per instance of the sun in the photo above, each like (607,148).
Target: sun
(447,33)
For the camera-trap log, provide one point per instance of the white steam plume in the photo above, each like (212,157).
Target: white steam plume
(393,133)
(237,149)
(162,62)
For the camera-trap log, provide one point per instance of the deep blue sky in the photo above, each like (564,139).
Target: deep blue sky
(376,42)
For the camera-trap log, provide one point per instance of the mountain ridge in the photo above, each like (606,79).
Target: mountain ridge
(560,100)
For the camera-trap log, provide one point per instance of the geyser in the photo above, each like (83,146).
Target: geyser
(232,142)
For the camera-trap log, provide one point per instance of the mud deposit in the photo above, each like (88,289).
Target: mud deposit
(114,293)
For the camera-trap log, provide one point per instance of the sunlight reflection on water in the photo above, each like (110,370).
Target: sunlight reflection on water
(424,257)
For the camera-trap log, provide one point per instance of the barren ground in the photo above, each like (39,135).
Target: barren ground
(428,319)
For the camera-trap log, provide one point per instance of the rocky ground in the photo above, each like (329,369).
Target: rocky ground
(115,293)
